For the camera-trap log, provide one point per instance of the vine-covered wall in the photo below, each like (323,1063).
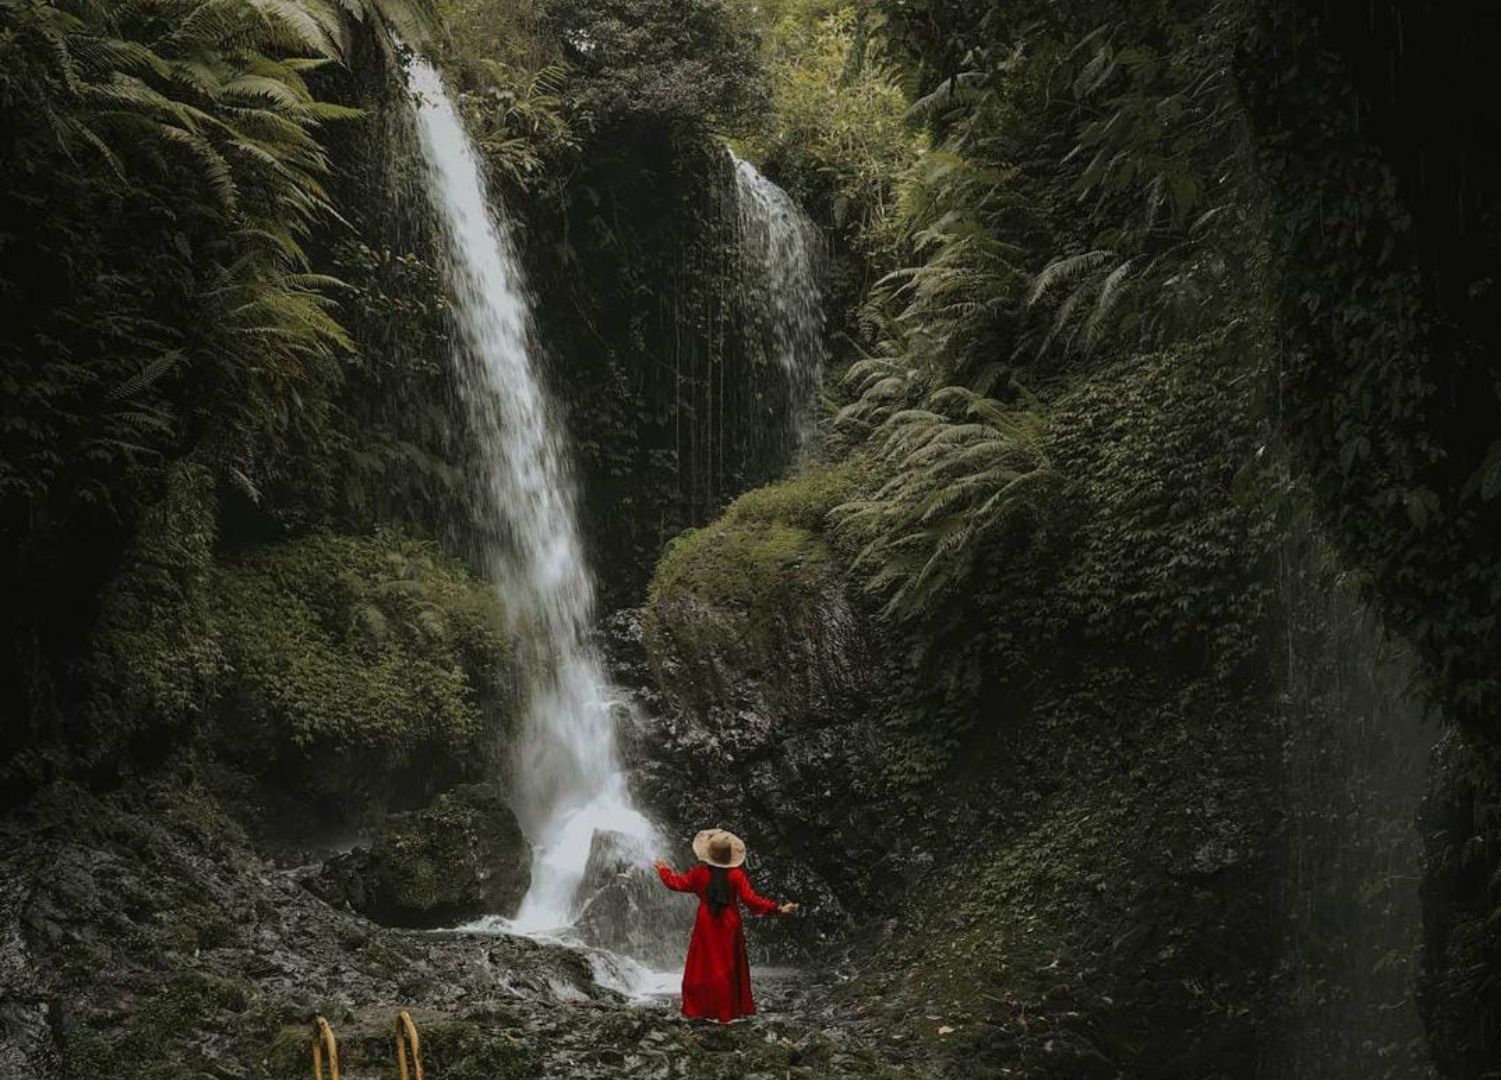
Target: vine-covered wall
(1385,231)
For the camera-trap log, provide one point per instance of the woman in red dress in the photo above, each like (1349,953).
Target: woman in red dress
(716,978)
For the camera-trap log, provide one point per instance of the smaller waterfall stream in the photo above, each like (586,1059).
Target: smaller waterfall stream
(781,253)
(567,781)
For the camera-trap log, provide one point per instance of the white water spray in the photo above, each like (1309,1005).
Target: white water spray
(568,783)
(781,253)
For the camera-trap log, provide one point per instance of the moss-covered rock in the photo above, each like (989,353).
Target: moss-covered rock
(766,551)
(770,719)
(365,673)
(459,858)
(729,602)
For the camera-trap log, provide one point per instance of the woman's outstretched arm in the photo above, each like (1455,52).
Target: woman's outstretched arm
(754,900)
(674,881)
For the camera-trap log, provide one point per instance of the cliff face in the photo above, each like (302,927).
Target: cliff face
(1059,834)
(1248,513)
(1086,852)
(771,717)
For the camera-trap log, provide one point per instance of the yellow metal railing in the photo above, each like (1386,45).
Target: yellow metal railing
(408,1049)
(407,1041)
(324,1043)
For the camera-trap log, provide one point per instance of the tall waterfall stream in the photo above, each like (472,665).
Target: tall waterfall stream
(1355,750)
(567,778)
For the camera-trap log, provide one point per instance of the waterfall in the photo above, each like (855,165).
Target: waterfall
(781,256)
(567,781)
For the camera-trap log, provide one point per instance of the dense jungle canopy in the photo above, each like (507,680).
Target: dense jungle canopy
(1037,476)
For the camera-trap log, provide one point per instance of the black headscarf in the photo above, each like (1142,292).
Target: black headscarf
(718,892)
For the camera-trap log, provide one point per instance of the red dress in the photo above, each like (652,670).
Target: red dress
(716,978)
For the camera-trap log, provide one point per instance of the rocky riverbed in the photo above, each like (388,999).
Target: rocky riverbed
(141,935)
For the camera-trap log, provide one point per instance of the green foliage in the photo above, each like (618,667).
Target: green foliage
(1386,361)
(163,169)
(767,549)
(156,657)
(974,213)
(954,310)
(181,129)
(976,496)
(526,127)
(517,91)
(679,64)
(1160,163)
(389,451)
(1138,123)
(838,135)
(1085,187)
(379,644)
(1173,545)
(962,473)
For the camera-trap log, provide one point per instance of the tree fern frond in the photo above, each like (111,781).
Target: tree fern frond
(949,485)
(1066,268)
(147,375)
(306,27)
(1108,297)
(215,170)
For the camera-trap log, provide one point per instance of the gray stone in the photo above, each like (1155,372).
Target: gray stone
(459,858)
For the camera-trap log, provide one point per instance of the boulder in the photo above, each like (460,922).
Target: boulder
(625,907)
(456,859)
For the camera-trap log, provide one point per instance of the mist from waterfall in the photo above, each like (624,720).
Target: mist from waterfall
(567,781)
(1355,749)
(781,253)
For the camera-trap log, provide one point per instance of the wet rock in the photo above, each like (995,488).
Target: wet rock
(626,909)
(768,725)
(459,858)
(25,1038)
(188,955)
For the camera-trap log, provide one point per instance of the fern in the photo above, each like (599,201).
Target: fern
(1153,167)
(182,152)
(963,470)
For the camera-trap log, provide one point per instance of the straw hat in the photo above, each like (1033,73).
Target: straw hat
(711,838)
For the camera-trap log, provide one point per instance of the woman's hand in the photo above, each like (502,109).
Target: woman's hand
(661,863)
(786,909)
